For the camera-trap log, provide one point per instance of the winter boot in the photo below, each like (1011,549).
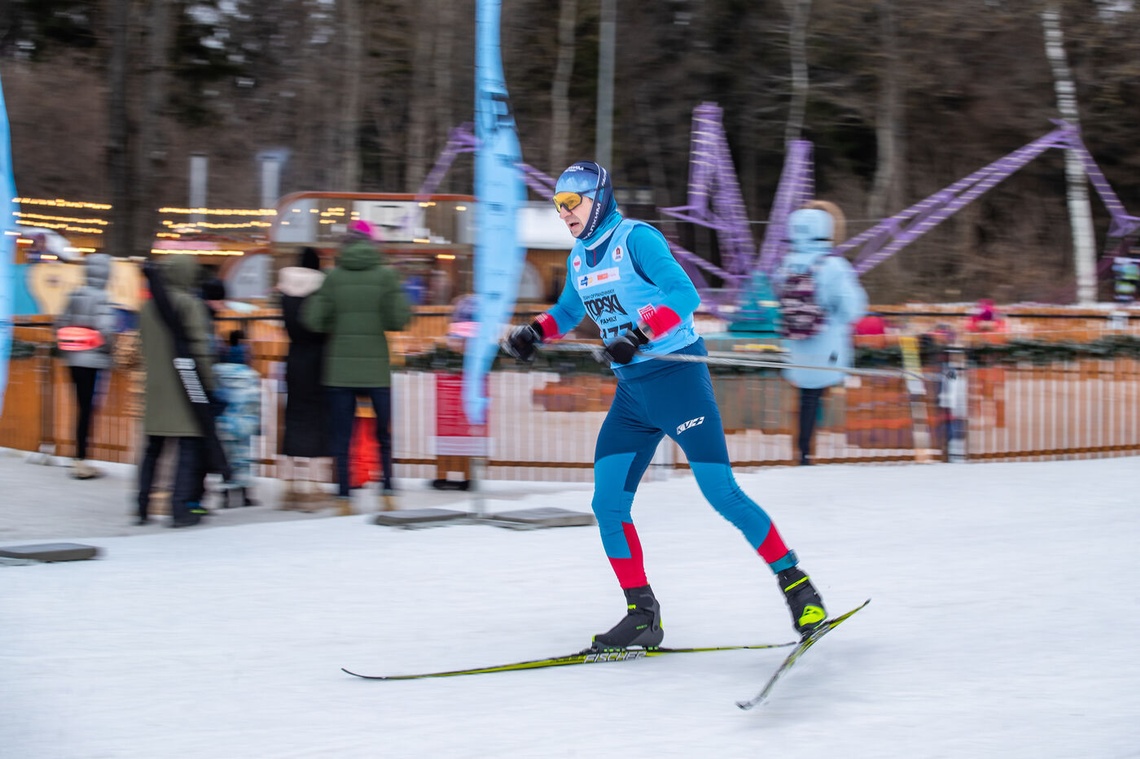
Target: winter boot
(641,625)
(343,506)
(290,498)
(182,516)
(803,600)
(81,470)
(388,500)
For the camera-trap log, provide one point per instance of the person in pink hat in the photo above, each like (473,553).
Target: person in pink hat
(359,300)
(985,318)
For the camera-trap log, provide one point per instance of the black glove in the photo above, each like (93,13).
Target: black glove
(625,347)
(523,342)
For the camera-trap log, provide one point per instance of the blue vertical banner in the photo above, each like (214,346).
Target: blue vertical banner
(8,236)
(499,192)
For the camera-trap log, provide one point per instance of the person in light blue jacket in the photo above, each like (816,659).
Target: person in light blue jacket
(814,231)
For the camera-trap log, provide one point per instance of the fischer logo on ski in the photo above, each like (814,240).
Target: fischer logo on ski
(615,655)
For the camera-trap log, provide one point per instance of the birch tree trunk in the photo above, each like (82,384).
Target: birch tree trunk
(1080,213)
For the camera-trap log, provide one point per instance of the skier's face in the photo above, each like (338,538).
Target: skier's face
(575,218)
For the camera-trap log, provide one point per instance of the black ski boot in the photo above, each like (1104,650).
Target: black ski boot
(803,600)
(641,625)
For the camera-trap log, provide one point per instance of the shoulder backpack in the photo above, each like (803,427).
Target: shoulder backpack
(802,315)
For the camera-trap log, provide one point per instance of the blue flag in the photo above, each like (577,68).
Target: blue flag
(8,234)
(499,191)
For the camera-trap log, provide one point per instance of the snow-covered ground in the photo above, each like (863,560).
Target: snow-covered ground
(1004,623)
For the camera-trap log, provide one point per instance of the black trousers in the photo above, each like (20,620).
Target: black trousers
(810,399)
(84,378)
(189,476)
(342,417)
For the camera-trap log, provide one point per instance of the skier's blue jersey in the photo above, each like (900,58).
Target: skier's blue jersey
(621,277)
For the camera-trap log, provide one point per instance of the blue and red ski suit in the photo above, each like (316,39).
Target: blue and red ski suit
(623,275)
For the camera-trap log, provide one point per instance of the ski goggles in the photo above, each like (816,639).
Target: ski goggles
(570,200)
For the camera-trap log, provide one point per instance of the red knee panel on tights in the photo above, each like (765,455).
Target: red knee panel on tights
(631,572)
(773,548)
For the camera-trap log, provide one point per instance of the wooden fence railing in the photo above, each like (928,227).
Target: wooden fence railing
(543,424)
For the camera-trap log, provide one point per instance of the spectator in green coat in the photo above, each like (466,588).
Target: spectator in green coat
(359,300)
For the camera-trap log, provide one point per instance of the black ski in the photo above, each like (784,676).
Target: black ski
(587,656)
(795,655)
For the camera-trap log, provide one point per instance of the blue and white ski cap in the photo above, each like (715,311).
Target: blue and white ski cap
(592,179)
(583,177)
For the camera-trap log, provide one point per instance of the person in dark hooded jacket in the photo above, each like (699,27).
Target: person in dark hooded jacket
(168,411)
(360,300)
(86,331)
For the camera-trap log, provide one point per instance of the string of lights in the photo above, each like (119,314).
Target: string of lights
(192,226)
(201,231)
(220,211)
(26,215)
(172,228)
(59,203)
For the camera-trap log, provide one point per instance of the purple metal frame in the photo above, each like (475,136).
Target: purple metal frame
(889,236)
(797,185)
(462,139)
(715,202)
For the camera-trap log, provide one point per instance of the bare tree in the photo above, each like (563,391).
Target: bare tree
(444,59)
(120,237)
(420,96)
(886,195)
(560,84)
(905,99)
(887,188)
(798,11)
(348,134)
(152,158)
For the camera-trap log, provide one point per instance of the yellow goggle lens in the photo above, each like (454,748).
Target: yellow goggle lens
(567,200)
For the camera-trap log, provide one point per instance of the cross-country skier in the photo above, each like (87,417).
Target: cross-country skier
(622,273)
